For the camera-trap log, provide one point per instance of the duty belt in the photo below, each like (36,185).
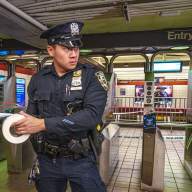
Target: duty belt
(75,149)
(54,151)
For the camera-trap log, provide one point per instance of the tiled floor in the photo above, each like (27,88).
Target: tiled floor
(127,175)
(126,178)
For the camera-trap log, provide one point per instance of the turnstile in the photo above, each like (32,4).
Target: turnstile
(109,156)
(19,157)
(153,161)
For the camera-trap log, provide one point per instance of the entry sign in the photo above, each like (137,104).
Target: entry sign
(149,93)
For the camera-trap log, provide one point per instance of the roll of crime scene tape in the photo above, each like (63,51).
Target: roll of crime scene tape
(6,129)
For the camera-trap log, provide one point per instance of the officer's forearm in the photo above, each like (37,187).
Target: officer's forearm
(83,120)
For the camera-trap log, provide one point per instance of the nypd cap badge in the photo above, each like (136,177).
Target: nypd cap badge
(74,29)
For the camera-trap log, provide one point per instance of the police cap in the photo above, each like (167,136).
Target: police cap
(67,34)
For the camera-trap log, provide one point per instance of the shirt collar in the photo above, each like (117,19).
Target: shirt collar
(51,69)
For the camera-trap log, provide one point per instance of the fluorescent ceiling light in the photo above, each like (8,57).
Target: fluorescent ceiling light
(149,55)
(12,59)
(31,64)
(85,51)
(180,48)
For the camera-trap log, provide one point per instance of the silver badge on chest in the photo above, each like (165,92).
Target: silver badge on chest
(76,83)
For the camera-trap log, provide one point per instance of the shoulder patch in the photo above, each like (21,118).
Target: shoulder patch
(101,78)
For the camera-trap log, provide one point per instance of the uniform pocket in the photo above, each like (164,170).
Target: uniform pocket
(77,94)
(43,100)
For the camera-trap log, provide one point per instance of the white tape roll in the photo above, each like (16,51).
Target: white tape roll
(7,133)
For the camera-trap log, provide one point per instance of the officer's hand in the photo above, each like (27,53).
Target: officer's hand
(29,124)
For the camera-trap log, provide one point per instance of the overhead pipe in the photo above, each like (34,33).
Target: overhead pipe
(60,4)
(71,6)
(66,13)
(163,3)
(71,17)
(22,14)
(58,21)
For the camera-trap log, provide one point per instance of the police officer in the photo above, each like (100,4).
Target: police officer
(66,103)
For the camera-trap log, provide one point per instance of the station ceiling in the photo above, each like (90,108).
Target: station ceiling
(24,20)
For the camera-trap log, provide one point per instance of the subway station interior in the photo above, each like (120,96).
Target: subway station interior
(144,47)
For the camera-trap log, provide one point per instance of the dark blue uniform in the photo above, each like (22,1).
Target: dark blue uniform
(49,98)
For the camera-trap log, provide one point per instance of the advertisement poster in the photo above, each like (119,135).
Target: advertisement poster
(162,93)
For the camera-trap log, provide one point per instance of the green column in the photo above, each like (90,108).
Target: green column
(149,76)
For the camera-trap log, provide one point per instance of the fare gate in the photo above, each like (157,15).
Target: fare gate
(19,157)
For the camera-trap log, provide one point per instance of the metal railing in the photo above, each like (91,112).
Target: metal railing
(168,109)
